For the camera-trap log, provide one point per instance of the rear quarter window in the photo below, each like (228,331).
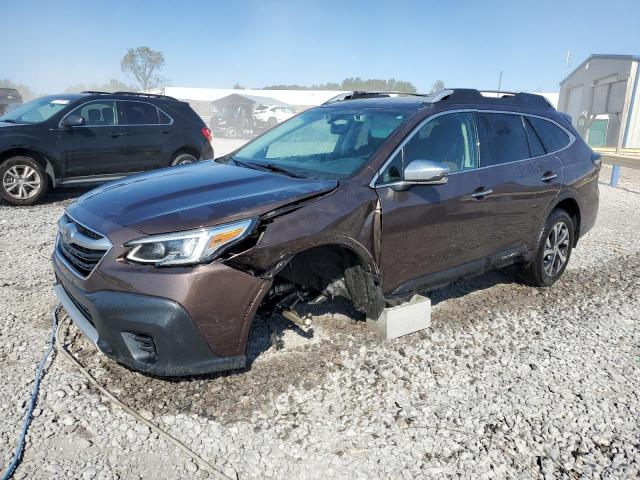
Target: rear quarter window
(553,137)
(184,110)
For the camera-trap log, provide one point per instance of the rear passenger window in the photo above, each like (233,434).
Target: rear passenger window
(535,144)
(139,113)
(552,136)
(502,138)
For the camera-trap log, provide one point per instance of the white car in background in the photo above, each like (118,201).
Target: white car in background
(270,116)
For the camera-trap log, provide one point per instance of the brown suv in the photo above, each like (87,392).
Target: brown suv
(165,271)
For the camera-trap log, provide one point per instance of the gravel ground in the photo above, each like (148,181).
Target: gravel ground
(509,381)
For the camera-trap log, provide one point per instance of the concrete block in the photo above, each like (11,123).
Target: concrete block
(404,319)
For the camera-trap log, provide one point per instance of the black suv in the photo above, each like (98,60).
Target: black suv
(94,137)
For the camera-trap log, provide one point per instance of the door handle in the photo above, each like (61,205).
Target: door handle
(117,134)
(481,193)
(548,176)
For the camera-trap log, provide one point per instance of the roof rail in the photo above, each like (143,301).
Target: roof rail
(95,92)
(356,94)
(470,95)
(147,95)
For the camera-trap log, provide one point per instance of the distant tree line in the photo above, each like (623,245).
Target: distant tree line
(357,83)
(354,83)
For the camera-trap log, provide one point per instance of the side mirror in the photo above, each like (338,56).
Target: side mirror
(73,120)
(426,172)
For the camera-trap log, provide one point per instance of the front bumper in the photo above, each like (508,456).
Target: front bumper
(147,334)
(163,321)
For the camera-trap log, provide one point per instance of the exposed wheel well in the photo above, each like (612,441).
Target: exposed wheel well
(319,267)
(570,206)
(37,156)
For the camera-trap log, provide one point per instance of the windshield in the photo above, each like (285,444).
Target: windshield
(326,143)
(36,111)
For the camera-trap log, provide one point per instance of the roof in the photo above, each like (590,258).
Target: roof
(450,96)
(602,56)
(239,99)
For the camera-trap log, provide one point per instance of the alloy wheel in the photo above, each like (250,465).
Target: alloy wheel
(556,249)
(21,182)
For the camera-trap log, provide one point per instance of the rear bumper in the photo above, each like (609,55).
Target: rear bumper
(148,334)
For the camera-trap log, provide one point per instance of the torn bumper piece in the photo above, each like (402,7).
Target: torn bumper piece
(156,329)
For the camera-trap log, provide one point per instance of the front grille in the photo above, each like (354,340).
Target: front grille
(82,259)
(80,247)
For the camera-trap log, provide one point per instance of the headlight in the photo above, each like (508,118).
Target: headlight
(185,248)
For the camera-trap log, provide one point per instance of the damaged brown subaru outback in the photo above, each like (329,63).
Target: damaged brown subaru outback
(165,271)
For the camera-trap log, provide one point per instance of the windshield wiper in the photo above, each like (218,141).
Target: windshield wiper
(276,168)
(265,166)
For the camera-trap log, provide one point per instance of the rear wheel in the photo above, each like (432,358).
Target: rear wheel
(183,159)
(553,251)
(22,181)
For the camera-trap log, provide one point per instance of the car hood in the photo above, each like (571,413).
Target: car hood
(193,196)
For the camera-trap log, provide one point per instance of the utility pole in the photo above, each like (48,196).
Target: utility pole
(499,82)
(568,61)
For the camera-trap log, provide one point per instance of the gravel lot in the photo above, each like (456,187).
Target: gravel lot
(509,381)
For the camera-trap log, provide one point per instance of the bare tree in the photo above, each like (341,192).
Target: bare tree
(144,65)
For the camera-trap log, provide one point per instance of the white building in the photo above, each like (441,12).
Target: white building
(603,98)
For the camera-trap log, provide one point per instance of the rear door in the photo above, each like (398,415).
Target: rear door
(98,147)
(522,180)
(150,136)
(432,234)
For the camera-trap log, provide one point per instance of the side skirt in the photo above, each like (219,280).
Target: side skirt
(466,270)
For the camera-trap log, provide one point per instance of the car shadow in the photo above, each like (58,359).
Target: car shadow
(506,275)
(269,329)
(65,194)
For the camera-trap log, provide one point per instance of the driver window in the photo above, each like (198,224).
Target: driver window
(99,113)
(448,139)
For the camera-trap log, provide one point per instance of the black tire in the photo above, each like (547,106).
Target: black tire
(183,158)
(23,181)
(546,268)
(272,122)
(232,132)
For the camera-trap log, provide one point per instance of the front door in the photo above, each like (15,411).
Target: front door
(99,147)
(432,234)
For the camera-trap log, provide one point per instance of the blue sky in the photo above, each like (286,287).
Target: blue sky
(50,45)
